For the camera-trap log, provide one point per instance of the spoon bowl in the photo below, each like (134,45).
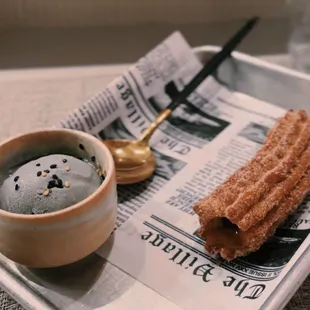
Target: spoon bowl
(134,160)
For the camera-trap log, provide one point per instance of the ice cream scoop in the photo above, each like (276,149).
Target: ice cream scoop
(49,184)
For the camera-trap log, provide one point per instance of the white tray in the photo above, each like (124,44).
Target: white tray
(96,284)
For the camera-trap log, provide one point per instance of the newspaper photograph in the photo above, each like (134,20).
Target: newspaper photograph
(204,141)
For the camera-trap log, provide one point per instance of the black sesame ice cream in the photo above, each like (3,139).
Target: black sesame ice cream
(49,184)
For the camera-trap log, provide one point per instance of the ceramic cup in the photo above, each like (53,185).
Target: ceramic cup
(62,237)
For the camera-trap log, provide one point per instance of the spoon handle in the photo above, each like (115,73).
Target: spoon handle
(163,115)
(208,69)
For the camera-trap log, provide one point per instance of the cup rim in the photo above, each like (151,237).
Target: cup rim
(110,172)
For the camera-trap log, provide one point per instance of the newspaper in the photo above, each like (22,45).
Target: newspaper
(203,142)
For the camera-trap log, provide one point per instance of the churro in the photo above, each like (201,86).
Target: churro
(239,215)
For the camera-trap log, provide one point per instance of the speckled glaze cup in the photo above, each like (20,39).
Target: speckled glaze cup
(68,235)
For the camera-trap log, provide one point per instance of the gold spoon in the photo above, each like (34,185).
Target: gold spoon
(134,160)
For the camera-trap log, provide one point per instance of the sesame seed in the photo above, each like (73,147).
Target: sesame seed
(51,184)
(104,174)
(46,192)
(93,158)
(44,174)
(39,173)
(53,166)
(38,165)
(68,168)
(67,184)
(59,183)
(16,178)
(47,171)
(81,146)
(55,177)
(16,187)
(64,160)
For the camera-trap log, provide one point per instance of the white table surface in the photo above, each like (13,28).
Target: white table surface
(33,98)
(36,98)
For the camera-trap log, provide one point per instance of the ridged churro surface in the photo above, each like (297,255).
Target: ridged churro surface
(246,209)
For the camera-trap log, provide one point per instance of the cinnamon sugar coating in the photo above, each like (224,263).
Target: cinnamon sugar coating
(258,197)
